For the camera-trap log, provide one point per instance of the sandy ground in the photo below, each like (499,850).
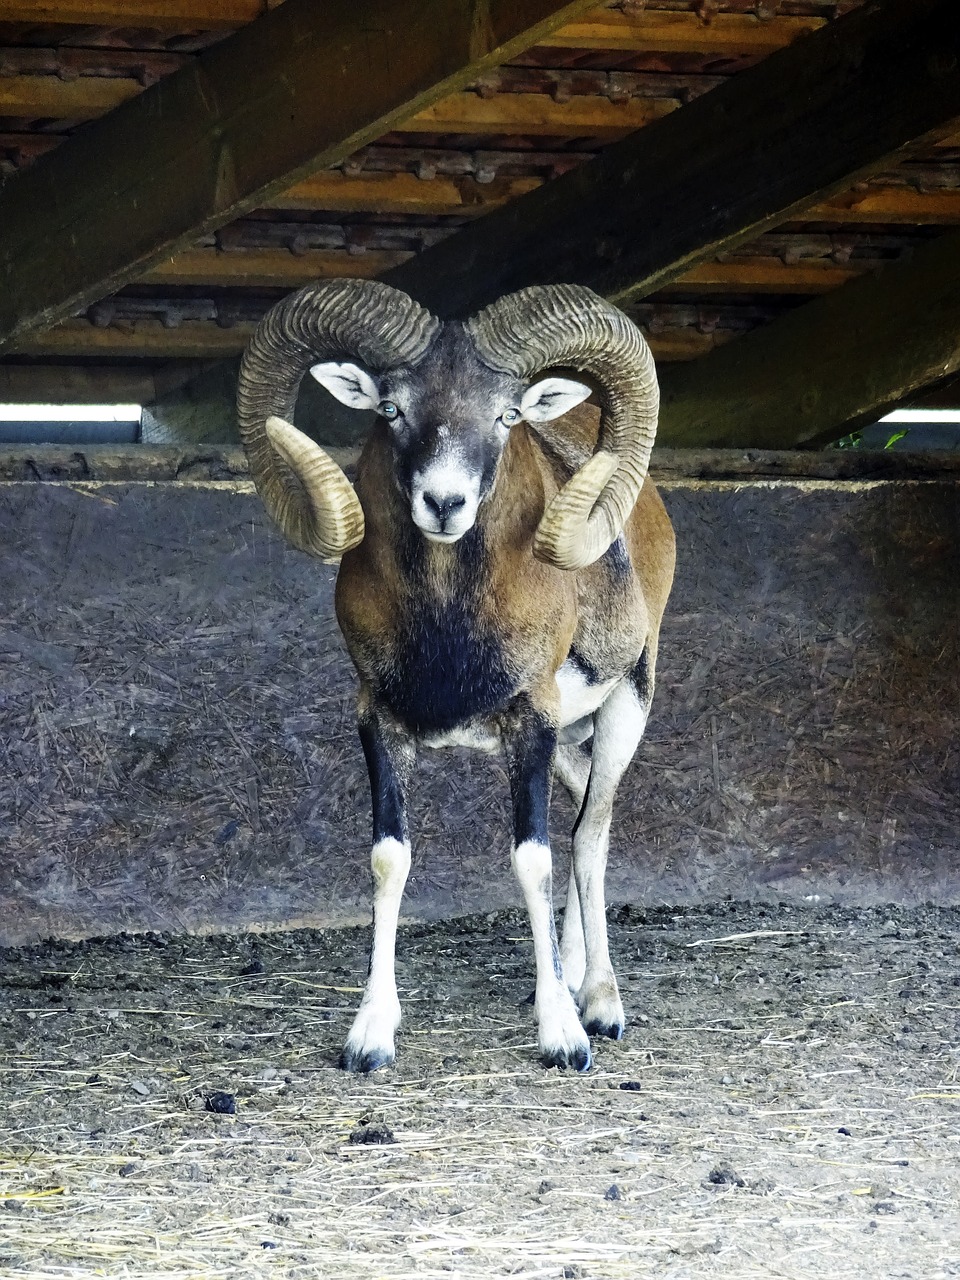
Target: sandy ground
(785,1104)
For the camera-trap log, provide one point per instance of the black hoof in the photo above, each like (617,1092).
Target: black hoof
(578,1058)
(363,1063)
(612,1030)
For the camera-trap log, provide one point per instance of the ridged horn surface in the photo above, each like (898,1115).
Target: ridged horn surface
(302,487)
(336,514)
(569,325)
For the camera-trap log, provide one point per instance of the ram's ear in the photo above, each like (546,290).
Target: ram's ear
(350,384)
(552,397)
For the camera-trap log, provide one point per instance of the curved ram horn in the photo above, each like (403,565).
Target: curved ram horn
(568,325)
(302,488)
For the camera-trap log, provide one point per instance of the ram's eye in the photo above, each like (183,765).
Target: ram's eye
(388,409)
(509,417)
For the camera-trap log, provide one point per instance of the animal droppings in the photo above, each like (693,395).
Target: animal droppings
(224,1104)
(371,1134)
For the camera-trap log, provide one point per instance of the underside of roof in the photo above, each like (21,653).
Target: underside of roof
(560,106)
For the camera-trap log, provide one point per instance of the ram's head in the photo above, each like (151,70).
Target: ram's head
(450,394)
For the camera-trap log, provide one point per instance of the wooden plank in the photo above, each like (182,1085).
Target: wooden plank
(269,268)
(401,193)
(145,339)
(281,269)
(204,339)
(902,205)
(248,118)
(765,275)
(406,193)
(538,115)
(732,164)
(827,367)
(74,384)
(173,15)
(655,31)
(649,31)
(535,114)
(49,97)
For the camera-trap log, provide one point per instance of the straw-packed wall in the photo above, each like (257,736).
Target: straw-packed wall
(176,740)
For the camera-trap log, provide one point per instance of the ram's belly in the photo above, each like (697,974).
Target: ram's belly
(580,692)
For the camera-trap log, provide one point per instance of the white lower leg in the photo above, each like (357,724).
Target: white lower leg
(572,952)
(598,995)
(370,1043)
(562,1039)
(572,767)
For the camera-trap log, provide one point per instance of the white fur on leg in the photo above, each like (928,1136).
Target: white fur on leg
(563,1041)
(572,767)
(619,727)
(572,948)
(370,1043)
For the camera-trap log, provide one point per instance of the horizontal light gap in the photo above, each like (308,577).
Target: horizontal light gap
(923,415)
(69,413)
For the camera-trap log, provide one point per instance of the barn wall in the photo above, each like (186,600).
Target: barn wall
(177,750)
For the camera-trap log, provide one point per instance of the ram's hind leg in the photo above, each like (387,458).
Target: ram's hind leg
(619,726)
(572,767)
(530,742)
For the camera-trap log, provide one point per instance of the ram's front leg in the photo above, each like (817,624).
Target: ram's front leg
(530,741)
(389,755)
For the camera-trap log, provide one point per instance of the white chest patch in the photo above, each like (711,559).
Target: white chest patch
(577,697)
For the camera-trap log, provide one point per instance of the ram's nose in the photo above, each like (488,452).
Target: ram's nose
(442,507)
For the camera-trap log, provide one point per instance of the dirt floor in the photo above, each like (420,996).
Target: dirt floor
(785,1103)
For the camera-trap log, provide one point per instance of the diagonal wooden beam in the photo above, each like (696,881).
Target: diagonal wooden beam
(835,363)
(297,90)
(798,128)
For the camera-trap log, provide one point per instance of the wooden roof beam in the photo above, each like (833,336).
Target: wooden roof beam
(653,30)
(169,15)
(257,268)
(149,338)
(47,97)
(657,31)
(714,175)
(298,90)
(90,384)
(817,372)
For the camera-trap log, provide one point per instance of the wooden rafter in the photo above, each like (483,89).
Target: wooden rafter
(255,268)
(833,364)
(401,193)
(205,339)
(537,114)
(712,176)
(406,193)
(765,275)
(82,384)
(269,268)
(50,98)
(901,205)
(652,30)
(248,118)
(171,15)
(664,32)
(533,114)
